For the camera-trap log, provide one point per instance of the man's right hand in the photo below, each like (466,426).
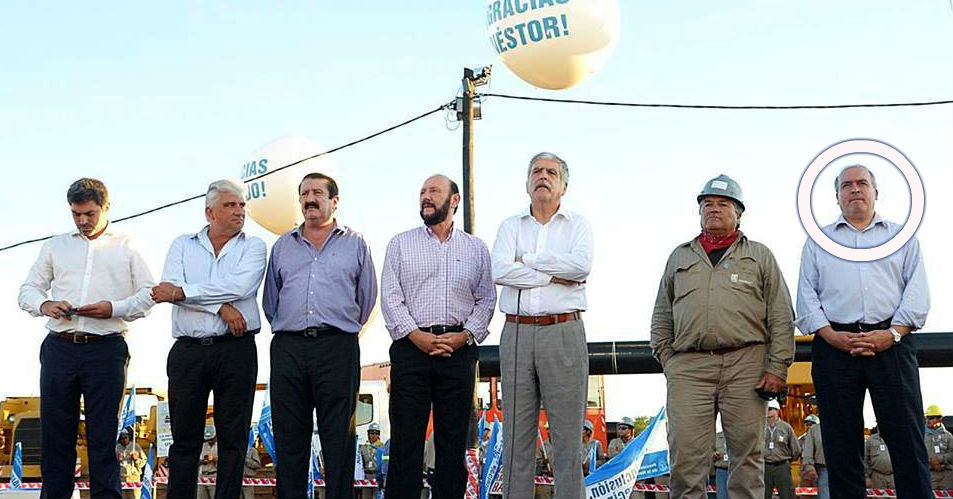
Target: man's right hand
(56,309)
(234,319)
(425,342)
(853,343)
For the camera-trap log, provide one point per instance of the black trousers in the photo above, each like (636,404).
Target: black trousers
(315,374)
(893,379)
(97,371)
(419,382)
(229,370)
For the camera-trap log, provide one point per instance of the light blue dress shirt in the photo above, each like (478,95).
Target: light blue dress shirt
(831,289)
(208,281)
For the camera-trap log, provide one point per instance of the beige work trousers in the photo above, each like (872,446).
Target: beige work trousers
(880,480)
(699,385)
(942,479)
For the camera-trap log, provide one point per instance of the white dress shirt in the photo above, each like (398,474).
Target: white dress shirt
(85,271)
(561,248)
(208,281)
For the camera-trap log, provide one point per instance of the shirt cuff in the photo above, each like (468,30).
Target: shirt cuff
(808,324)
(778,369)
(189,290)
(478,335)
(529,259)
(38,307)
(120,308)
(401,331)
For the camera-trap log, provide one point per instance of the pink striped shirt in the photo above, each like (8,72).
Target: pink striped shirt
(426,282)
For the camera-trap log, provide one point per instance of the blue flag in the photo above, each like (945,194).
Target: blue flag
(592,459)
(16,477)
(617,477)
(493,461)
(481,427)
(251,439)
(128,416)
(264,427)
(311,475)
(145,491)
(316,461)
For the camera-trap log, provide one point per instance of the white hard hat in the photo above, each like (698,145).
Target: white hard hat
(587,425)
(773,404)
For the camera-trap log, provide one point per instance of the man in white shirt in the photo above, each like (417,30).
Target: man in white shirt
(89,282)
(212,278)
(542,258)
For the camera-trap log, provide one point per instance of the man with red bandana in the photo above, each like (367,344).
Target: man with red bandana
(722,328)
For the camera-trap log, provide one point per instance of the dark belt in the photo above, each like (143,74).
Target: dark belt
(312,332)
(440,329)
(722,351)
(860,327)
(214,340)
(543,320)
(81,338)
(778,463)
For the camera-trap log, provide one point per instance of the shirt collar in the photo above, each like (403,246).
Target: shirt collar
(527,212)
(431,233)
(878,220)
(203,239)
(107,231)
(338,229)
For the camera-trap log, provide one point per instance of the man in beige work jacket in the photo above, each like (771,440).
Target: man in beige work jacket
(722,327)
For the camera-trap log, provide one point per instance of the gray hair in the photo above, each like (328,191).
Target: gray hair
(215,190)
(873,179)
(563,167)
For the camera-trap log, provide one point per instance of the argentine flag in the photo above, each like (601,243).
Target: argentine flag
(128,416)
(16,477)
(145,491)
(494,460)
(639,460)
(264,427)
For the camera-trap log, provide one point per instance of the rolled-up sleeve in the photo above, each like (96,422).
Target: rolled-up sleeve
(243,281)
(915,301)
(810,315)
(484,294)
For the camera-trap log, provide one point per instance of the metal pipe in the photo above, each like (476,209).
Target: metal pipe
(635,357)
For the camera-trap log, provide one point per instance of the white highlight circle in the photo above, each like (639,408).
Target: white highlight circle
(806,213)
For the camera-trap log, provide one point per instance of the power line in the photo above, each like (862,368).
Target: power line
(712,106)
(252,179)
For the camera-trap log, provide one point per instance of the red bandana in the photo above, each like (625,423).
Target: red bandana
(711,242)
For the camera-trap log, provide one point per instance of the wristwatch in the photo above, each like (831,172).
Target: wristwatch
(896,336)
(471,340)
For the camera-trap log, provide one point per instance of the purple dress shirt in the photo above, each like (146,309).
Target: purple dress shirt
(334,285)
(426,282)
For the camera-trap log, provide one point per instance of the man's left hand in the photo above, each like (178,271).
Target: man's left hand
(166,292)
(455,341)
(99,310)
(881,338)
(770,383)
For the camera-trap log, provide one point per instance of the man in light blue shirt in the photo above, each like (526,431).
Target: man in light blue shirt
(862,314)
(212,279)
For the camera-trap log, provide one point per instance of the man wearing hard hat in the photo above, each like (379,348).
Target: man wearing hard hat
(722,328)
(590,445)
(862,314)
(813,465)
(939,443)
(780,448)
(208,464)
(624,429)
(369,457)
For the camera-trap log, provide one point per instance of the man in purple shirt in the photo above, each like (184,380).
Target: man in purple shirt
(438,298)
(320,289)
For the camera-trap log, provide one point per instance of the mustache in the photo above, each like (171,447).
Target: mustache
(312,204)
(426,204)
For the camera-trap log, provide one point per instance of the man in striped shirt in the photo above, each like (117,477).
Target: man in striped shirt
(437,299)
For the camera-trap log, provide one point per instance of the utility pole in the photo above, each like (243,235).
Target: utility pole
(468,110)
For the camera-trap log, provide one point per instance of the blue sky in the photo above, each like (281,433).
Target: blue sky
(157,101)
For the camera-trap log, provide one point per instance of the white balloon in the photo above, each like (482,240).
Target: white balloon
(272,201)
(553,44)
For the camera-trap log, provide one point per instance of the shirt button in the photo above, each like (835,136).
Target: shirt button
(311,292)
(315,258)
(312,275)
(310,311)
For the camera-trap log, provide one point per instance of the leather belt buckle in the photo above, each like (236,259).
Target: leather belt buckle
(80,339)
(207,341)
(310,332)
(439,329)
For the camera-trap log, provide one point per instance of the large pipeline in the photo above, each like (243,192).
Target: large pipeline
(635,357)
